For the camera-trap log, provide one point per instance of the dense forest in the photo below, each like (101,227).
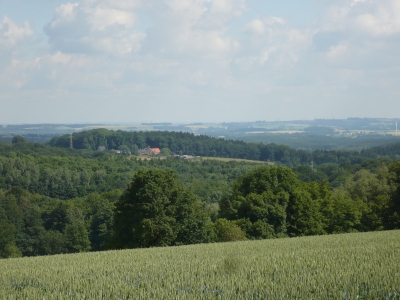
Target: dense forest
(311,141)
(201,145)
(59,200)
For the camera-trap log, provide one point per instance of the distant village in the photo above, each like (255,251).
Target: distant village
(149,151)
(146,151)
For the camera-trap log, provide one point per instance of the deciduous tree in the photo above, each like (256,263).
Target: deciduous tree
(155,210)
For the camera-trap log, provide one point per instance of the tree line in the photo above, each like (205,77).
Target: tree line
(55,200)
(71,177)
(201,145)
(156,209)
(66,174)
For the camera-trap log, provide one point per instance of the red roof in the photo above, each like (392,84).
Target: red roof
(155,150)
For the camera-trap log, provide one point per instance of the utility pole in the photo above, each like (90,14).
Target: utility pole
(396,128)
(70,141)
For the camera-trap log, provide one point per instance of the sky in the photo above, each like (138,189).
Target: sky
(125,61)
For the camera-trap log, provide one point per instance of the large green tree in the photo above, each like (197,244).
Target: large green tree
(18,139)
(75,232)
(156,210)
(271,202)
(375,192)
(7,241)
(393,216)
(261,196)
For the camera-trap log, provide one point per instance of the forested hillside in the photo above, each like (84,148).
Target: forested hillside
(311,142)
(187,143)
(57,200)
(176,142)
(66,174)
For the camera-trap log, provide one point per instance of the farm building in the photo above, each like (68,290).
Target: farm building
(156,150)
(149,151)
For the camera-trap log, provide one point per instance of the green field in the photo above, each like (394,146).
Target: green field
(227,159)
(348,266)
(197,158)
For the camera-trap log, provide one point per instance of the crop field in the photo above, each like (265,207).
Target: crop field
(349,266)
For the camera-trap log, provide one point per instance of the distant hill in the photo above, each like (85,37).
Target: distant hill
(201,145)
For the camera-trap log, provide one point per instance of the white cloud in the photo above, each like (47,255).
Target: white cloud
(269,25)
(66,10)
(363,33)
(192,29)
(232,7)
(272,40)
(336,51)
(255,26)
(98,26)
(185,28)
(17,73)
(162,55)
(11,34)
(377,18)
(266,54)
(101,18)
(60,58)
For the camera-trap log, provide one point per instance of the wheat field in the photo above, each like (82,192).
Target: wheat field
(348,266)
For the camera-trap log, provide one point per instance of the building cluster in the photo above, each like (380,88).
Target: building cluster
(103,148)
(146,151)
(149,151)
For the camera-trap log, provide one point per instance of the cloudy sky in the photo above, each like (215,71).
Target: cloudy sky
(198,60)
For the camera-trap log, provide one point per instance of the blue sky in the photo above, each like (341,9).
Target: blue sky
(198,60)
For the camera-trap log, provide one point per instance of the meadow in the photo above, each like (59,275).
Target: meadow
(200,158)
(346,266)
(227,159)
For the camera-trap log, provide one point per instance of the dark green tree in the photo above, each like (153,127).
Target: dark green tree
(155,210)
(53,242)
(392,220)
(271,202)
(375,192)
(124,150)
(18,139)
(228,231)
(262,195)
(76,237)
(341,213)
(166,151)
(303,215)
(100,213)
(7,241)
(75,232)
(33,230)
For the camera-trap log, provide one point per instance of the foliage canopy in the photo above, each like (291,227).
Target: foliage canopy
(156,210)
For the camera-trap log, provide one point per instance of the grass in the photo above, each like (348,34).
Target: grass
(198,158)
(348,266)
(226,159)
(146,157)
